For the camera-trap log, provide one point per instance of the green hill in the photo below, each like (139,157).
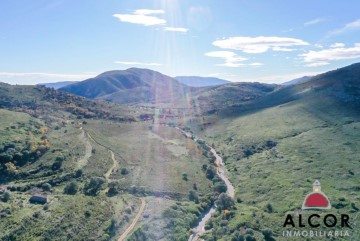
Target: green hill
(97,161)
(129,86)
(277,145)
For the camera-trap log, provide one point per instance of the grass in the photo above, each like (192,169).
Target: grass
(314,141)
(156,156)
(89,219)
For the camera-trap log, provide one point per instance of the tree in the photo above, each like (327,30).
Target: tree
(224,202)
(78,173)
(220,187)
(46,187)
(269,208)
(210,172)
(6,196)
(193,196)
(124,171)
(94,186)
(114,188)
(237,236)
(185,176)
(71,188)
(268,233)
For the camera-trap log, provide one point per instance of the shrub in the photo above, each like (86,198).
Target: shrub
(249,231)
(94,186)
(56,166)
(237,236)
(210,173)
(185,177)
(249,237)
(6,196)
(268,233)
(128,210)
(124,171)
(78,173)
(71,188)
(193,196)
(220,187)
(5,157)
(46,187)
(114,188)
(269,208)
(224,202)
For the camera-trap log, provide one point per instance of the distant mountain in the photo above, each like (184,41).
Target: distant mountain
(297,80)
(133,85)
(196,81)
(223,96)
(57,85)
(337,87)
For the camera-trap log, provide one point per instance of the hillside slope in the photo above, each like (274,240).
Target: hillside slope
(297,80)
(339,86)
(277,145)
(131,85)
(58,85)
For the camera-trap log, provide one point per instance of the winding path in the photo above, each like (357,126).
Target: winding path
(132,225)
(88,150)
(112,168)
(222,174)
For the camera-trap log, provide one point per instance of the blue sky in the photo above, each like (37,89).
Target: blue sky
(239,40)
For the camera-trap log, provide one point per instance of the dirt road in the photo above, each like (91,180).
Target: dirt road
(132,225)
(88,150)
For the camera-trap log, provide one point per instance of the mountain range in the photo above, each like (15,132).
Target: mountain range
(133,85)
(103,165)
(297,80)
(58,85)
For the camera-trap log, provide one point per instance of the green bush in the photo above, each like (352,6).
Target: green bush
(71,188)
(220,187)
(269,208)
(210,172)
(93,186)
(6,196)
(193,196)
(124,171)
(46,187)
(268,233)
(224,202)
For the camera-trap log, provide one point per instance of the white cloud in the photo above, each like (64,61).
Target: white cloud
(174,29)
(314,21)
(137,63)
(231,58)
(141,16)
(317,64)
(352,26)
(282,49)
(256,64)
(259,44)
(337,45)
(38,77)
(323,57)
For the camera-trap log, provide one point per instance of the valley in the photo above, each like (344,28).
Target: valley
(136,155)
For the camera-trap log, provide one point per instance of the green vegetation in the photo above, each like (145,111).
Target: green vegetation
(97,161)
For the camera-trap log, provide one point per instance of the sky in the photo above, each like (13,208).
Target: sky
(269,41)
